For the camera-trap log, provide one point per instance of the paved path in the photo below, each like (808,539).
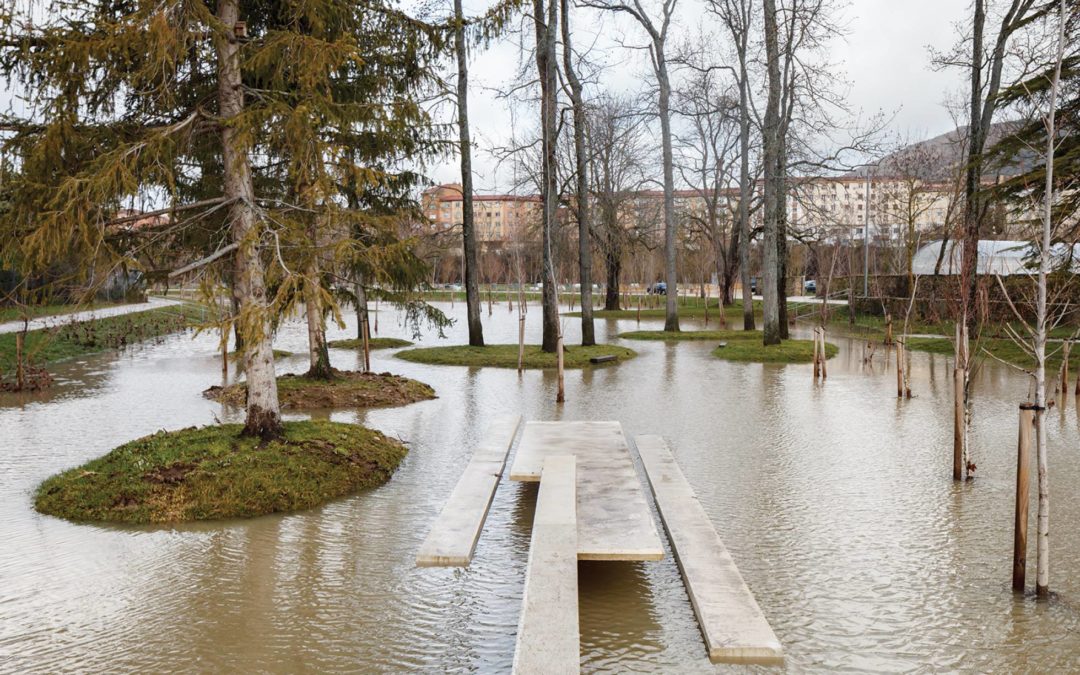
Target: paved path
(100,313)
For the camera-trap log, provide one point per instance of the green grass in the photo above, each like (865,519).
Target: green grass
(347,389)
(278,354)
(213,473)
(373,343)
(742,345)
(690,335)
(1003,349)
(87,337)
(506,356)
(789,351)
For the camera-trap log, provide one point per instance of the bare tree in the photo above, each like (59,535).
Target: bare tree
(657,29)
(546,20)
(615,150)
(581,168)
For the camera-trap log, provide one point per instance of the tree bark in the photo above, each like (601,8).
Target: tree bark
(263,411)
(770,135)
(581,160)
(671,310)
(545,63)
(468,223)
(319,355)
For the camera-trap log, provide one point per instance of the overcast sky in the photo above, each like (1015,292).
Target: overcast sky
(885,57)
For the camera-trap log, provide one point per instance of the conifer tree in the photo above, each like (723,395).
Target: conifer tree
(241,117)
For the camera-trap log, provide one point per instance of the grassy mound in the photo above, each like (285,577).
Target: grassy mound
(789,351)
(506,356)
(213,472)
(347,389)
(373,343)
(691,335)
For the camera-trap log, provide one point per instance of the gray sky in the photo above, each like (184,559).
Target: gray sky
(884,57)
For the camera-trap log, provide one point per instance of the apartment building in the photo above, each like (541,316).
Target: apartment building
(497,217)
(824,208)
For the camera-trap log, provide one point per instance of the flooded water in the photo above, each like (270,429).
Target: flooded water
(835,500)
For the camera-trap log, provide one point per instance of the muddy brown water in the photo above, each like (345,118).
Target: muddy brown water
(835,501)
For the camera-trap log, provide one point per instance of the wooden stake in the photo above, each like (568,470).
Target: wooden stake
(367,346)
(1023,483)
(958,424)
(20,371)
(899,369)
(888,329)
(376,315)
(1065,347)
(561,396)
(824,356)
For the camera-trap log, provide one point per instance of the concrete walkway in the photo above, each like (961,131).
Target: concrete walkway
(613,516)
(549,637)
(101,313)
(453,537)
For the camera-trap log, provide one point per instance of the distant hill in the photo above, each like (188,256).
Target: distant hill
(937,158)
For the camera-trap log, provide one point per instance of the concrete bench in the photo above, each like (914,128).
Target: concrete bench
(734,628)
(452,539)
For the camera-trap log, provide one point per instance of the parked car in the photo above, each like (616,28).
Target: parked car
(809,286)
(753,285)
(659,288)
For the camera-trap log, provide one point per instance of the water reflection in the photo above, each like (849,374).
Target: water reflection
(835,499)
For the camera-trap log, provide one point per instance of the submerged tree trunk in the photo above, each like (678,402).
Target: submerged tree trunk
(263,411)
(546,19)
(468,224)
(581,161)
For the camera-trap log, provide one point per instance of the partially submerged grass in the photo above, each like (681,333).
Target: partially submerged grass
(667,336)
(689,308)
(373,343)
(87,337)
(213,472)
(506,356)
(1003,349)
(278,354)
(346,389)
(740,345)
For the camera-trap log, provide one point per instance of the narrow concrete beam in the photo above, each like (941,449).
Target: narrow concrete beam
(549,638)
(452,539)
(734,627)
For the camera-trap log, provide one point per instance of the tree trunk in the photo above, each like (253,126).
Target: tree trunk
(613,258)
(581,160)
(671,312)
(468,223)
(263,411)
(545,63)
(770,133)
(319,355)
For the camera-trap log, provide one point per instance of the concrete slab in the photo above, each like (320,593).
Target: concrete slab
(549,638)
(614,520)
(452,539)
(734,628)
